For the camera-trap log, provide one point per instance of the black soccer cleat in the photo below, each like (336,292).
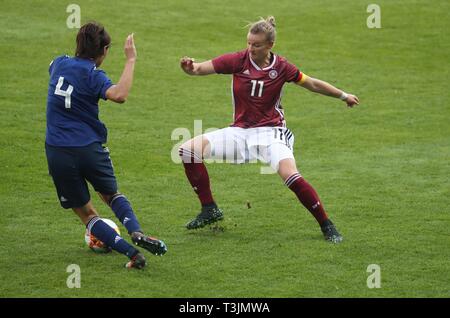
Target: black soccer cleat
(137,261)
(331,233)
(208,215)
(151,244)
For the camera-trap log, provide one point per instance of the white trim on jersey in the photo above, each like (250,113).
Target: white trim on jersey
(279,110)
(232,99)
(266,68)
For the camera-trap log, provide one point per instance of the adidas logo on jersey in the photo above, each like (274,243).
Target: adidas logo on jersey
(63,199)
(125,220)
(246,72)
(117,239)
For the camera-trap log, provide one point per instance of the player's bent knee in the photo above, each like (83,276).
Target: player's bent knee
(86,212)
(191,151)
(112,197)
(188,156)
(105,197)
(186,146)
(88,218)
(196,144)
(287,168)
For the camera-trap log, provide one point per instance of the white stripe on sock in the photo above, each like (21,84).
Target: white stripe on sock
(91,223)
(289,181)
(187,154)
(116,197)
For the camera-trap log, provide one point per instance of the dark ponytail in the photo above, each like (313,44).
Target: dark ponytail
(91,40)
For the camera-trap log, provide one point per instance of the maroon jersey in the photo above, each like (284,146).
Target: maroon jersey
(256,92)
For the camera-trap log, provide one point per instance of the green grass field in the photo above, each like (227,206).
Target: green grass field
(382,169)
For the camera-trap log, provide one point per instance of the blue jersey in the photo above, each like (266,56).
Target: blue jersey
(74,89)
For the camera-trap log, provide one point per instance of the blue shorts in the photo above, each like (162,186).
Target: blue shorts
(71,167)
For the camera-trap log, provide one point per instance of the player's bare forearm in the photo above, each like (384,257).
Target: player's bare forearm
(126,79)
(119,92)
(188,65)
(318,86)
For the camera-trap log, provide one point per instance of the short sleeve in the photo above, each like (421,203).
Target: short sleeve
(228,63)
(293,74)
(100,83)
(53,63)
(50,67)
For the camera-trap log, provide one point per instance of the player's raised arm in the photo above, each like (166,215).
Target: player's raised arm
(188,65)
(318,86)
(118,93)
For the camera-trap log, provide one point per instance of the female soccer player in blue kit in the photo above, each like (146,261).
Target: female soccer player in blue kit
(75,138)
(259,129)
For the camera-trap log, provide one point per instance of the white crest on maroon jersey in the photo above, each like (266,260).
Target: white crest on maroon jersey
(273,74)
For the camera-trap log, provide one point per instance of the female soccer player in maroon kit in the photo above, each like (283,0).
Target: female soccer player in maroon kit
(259,130)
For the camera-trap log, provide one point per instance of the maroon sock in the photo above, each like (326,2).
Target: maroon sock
(197,175)
(307,196)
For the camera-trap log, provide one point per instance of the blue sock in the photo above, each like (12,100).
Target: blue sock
(122,209)
(107,235)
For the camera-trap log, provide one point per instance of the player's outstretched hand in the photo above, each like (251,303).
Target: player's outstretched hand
(129,48)
(352,100)
(187,64)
